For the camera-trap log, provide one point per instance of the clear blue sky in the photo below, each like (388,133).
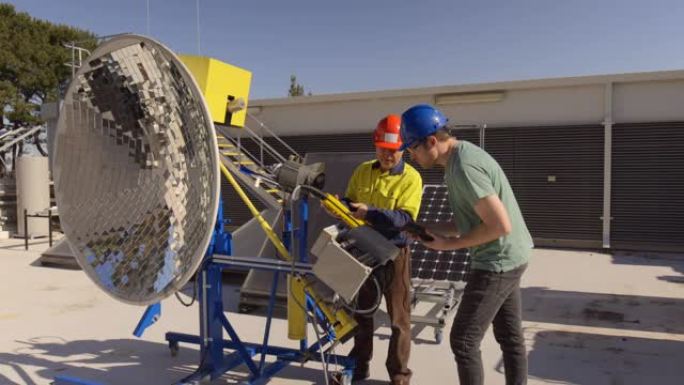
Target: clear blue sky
(348,46)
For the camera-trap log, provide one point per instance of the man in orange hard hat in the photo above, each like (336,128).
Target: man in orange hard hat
(386,193)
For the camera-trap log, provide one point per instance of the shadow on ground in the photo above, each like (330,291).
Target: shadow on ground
(674,261)
(602,359)
(121,361)
(642,313)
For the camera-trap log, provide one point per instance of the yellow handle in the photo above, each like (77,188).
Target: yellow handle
(339,209)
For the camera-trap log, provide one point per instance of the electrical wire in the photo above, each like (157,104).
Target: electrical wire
(192,299)
(324,362)
(312,316)
(370,310)
(343,209)
(194,287)
(314,321)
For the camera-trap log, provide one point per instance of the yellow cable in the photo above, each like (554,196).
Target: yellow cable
(264,225)
(342,322)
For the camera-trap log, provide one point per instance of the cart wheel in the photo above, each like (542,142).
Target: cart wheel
(439,335)
(173,348)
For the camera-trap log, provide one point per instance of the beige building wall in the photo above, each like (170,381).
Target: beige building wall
(640,97)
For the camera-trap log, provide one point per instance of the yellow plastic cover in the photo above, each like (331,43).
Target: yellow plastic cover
(219,83)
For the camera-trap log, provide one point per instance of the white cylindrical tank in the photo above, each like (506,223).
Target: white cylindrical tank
(33,193)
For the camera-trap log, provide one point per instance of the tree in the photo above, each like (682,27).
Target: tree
(296,89)
(32,64)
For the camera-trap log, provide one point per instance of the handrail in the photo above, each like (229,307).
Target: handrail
(21,135)
(242,150)
(273,134)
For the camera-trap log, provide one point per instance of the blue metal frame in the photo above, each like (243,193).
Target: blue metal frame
(151,316)
(213,321)
(66,380)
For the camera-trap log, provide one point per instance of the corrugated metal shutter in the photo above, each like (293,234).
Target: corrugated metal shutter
(565,212)
(557,176)
(648,187)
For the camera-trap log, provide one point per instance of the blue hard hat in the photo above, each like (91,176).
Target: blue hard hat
(420,121)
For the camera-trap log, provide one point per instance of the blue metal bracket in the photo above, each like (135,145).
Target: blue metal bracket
(66,380)
(213,322)
(221,241)
(149,318)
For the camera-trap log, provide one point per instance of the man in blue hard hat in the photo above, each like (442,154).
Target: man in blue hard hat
(488,221)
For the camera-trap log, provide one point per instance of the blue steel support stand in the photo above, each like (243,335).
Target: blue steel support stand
(213,321)
(213,360)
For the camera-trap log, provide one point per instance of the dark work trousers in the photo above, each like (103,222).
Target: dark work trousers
(490,298)
(395,281)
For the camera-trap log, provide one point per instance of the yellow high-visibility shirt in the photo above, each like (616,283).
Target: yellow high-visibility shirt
(400,188)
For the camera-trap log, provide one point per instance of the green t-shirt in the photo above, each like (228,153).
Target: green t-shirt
(472,174)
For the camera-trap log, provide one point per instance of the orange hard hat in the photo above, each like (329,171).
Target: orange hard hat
(388,133)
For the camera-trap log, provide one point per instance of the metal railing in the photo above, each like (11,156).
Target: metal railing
(259,139)
(272,134)
(16,136)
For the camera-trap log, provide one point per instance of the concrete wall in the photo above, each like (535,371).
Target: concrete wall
(654,101)
(547,106)
(641,97)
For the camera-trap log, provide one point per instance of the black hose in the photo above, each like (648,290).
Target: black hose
(371,309)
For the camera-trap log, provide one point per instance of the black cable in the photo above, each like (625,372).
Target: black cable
(370,310)
(193,298)
(39,146)
(314,191)
(194,287)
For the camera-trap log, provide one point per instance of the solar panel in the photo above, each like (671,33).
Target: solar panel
(428,264)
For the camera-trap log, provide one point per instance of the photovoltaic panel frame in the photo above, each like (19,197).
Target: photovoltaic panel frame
(433,265)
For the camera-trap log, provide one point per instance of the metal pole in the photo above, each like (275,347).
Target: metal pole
(261,147)
(148,17)
(73,59)
(302,236)
(303,229)
(287,229)
(199,49)
(50,227)
(607,163)
(25,230)
(483,136)
(269,317)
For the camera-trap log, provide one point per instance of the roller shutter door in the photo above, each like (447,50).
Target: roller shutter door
(557,176)
(648,187)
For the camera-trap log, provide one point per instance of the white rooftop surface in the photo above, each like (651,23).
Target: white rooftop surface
(590,318)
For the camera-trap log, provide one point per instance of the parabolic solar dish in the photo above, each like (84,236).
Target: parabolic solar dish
(136,170)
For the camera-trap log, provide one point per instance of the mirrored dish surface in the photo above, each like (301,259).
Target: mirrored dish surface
(136,170)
